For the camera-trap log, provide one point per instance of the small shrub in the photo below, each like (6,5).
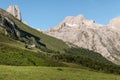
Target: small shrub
(59,69)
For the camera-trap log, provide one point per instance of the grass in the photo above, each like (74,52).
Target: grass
(14,56)
(52,73)
(8,41)
(11,55)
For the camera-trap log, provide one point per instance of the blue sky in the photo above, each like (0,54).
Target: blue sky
(46,14)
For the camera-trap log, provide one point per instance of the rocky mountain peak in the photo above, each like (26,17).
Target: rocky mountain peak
(90,35)
(15,11)
(115,23)
(78,18)
(75,20)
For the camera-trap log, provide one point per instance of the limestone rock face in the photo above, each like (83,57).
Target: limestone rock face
(115,23)
(15,11)
(87,34)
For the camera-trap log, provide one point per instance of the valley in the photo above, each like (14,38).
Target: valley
(29,54)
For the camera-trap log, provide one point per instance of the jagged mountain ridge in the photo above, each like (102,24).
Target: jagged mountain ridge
(90,35)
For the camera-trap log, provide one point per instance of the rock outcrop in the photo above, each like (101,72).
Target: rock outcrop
(38,29)
(87,34)
(15,11)
(115,23)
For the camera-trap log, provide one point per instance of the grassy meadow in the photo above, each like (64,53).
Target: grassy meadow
(51,73)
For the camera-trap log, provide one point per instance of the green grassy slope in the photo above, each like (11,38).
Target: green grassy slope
(14,56)
(11,55)
(8,41)
(52,73)
(50,42)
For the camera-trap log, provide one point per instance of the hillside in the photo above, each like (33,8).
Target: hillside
(25,31)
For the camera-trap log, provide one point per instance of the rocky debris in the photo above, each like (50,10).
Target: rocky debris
(30,46)
(15,11)
(87,34)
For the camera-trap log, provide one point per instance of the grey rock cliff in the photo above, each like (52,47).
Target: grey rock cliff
(15,11)
(87,34)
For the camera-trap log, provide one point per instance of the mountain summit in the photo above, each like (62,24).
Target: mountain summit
(76,22)
(115,23)
(15,11)
(90,35)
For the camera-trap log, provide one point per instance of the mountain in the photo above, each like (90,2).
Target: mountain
(15,11)
(13,30)
(90,35)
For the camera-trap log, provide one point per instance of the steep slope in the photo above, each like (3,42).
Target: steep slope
(17,30)
(87,34)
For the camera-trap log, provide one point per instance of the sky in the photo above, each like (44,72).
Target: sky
(45,14)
